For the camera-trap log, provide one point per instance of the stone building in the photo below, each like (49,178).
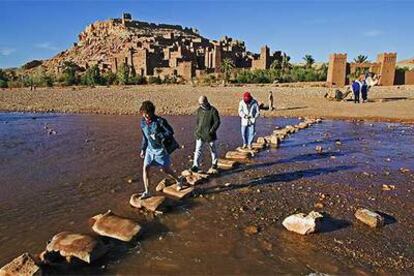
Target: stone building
(161,50)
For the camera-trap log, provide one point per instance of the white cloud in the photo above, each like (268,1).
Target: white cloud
(47,46)
(373,33)
(4,51)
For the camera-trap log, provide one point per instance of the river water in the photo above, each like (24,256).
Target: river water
(57,171)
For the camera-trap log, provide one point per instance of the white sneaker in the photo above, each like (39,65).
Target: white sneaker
(145,195)
(244,146)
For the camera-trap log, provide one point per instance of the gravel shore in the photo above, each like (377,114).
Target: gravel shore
(386,103)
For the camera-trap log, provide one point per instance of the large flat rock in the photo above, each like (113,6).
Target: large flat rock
(240,156)
(258,146)
(225,164)
(81,246)
(151,203)
(113,226)
(172,191)
(252,152)
(24,265)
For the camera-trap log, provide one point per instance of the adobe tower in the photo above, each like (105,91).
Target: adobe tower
(337,70)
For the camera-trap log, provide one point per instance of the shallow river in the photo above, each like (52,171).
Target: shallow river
(55,182)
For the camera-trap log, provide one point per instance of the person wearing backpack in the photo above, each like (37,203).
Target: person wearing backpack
(157,144)
(248,112)
(208,121)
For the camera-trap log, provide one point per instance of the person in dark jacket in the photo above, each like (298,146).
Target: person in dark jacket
(155,130)
(208,121)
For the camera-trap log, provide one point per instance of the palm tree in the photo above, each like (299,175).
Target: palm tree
(226,67)
(309,61)
(276,64)
(285,64)
(361,59)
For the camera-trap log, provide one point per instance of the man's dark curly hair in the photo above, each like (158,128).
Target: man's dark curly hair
(147,107)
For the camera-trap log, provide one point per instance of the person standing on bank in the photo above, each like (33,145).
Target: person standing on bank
(270,98)
(248,112)
(208,121)
(157,144)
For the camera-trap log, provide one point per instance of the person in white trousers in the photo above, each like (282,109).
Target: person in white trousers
(208,121)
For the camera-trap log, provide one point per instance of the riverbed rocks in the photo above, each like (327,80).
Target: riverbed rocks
(236,155)
(164,183)
(24,265)
(224,164)
(152,203)
(252,151)
(80,246)
(370,218)
(172,191)
(113,226)
(303,224)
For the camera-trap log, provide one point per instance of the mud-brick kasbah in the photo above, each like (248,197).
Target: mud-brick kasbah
(163,50)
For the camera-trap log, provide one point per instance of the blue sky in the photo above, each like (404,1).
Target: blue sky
(40,29)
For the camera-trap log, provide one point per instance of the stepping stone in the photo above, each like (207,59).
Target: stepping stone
(258,146)
(195,179)
(303,224)
(113,226)
(164,183)
(151,203)
(302,125)
(22,265)
(241,156)
(252,152)
(370,218)
(212,171)
(172,191)
(201,174)
(225,164)
(274,141)
(83,247)
(261,141)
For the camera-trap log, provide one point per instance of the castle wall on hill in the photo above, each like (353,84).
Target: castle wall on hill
(150,49)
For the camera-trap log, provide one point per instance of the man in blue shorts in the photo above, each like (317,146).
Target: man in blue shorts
(155,132)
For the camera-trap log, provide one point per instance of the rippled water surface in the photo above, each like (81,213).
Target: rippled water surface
(52,182)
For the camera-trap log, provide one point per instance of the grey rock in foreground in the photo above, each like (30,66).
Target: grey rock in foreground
(370,218)
(303,224)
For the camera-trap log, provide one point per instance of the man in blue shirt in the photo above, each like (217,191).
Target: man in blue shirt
(155,131)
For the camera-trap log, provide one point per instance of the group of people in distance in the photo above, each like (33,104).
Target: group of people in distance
(361,86)
(158,136)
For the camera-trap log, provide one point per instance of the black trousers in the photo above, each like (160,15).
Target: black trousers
(364,95)
(356,97)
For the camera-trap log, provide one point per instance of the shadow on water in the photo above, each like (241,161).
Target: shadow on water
(388,219)
(330,224)
(281,177)
(311,157)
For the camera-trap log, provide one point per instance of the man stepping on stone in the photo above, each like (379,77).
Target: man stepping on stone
(157,144)
(208,121)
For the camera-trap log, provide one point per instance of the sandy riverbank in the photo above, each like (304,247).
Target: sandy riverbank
(386,103)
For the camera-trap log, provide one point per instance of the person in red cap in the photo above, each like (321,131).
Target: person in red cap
(248,112)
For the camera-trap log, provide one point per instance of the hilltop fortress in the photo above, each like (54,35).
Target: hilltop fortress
(156,50)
